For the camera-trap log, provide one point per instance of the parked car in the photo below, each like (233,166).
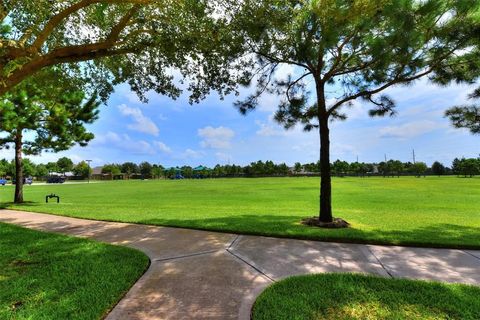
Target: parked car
(55,179)
(3,182)
(26,180)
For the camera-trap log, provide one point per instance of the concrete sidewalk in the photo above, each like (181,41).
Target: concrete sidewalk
(209,275)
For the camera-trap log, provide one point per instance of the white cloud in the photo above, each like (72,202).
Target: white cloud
(141,123)
(123,142)
(269,130)
(162,147)
(223,157)
(192,154)
(216,138)
(409,130)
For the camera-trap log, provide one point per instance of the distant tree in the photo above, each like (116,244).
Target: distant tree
(456,166)
(41,115)
(29,168)
(157,171)
(297,167)
(469,167)
(64,164)
(356,49)
(82,169)
(187,172)
(269,168)
(41,172)
(438,168)
(384,168)
(52,167)
(218,171)
(3,168)
(283,169)
(112,169)
(419,168)
(340,168)
(145,169)
(129,168)
(395,167)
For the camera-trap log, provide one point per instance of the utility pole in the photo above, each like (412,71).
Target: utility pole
(385,158)
(88,161)
(357,159)
(413,152)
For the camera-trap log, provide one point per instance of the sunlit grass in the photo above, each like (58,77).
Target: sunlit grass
(432,211)
(51,276)
(351,296)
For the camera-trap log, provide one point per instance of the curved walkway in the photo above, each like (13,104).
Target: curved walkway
(209,275)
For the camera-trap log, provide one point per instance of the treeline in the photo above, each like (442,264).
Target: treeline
(462,167)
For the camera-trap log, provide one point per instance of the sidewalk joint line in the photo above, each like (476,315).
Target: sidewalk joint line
(478,258)
(185,256)
(380,262)
(251,265)
(233,242)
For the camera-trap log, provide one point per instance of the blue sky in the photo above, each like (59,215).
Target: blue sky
(172,133)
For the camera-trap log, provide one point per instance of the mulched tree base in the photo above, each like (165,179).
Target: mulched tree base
(337,223)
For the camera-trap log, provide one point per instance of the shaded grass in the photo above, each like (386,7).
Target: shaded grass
(354,296)
(51,276)
(432,211)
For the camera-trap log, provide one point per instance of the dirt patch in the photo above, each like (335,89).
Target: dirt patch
(337,223)
(22,263)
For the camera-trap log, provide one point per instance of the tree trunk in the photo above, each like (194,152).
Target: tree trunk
(18,168)
(325,172)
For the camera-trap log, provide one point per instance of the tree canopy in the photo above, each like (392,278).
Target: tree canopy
(40,115)
(466,116)
(345,50)
(105,42)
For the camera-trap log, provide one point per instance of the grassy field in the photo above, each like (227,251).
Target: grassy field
(51,276)
(432,211)
(349,296)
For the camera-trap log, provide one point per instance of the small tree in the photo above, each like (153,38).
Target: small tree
(145,169)
(52,167)
(111,169)
(351,50)
(157,170)
(29,168)
(44,114)
(419,168)
(469,167)
(297,167)
(438,168)
(64,164)
(82,169)
(340,168)
(129,168)
(41,172)
(4,164)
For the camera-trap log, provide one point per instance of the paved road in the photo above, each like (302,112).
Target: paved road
(209,275)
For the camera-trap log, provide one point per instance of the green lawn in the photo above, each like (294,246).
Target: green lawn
(51,276)
(430,211)
(354,296)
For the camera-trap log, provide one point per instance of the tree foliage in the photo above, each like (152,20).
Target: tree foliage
(466,116)
(44,113)
(54,115)
(105,42)
(82,169)
(346,50)
(65,164)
